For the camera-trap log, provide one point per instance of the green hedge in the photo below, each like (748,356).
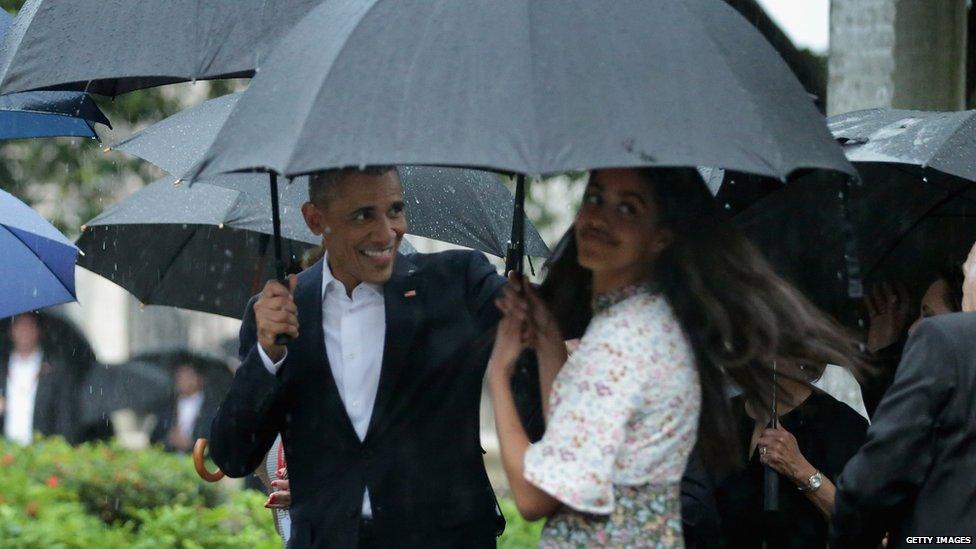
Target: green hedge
(100,495)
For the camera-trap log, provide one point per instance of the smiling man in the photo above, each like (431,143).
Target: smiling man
(377,394)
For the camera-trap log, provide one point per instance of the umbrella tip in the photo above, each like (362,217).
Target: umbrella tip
(221,226)
(178,182)
(106,149)
(84,228)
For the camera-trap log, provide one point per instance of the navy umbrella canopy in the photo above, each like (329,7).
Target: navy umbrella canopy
(111,47)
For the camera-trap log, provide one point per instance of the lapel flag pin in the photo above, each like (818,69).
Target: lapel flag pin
(410,293)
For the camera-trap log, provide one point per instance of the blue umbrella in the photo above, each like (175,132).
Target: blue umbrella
(46,113)
(38,266)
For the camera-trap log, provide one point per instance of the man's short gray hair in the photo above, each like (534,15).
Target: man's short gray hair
(320,184)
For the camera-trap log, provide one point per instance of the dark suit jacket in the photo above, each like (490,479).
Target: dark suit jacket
(201,426)
(916,474)
(54,403)
(421,457)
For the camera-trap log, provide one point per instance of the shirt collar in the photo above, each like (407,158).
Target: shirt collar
(328,279)
(33,359)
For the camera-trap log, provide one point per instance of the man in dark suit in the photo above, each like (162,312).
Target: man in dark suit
(377,394)
(36,392)
(915,477)
(191,411)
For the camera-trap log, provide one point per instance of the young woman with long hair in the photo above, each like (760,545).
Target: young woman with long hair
(676,306)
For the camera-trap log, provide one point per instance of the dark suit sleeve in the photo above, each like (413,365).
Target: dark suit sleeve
(251,414)
(482,285)
(886,473)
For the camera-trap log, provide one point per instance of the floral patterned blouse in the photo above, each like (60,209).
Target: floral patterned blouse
(623,411)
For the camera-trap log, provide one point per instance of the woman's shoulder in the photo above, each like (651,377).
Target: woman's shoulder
(642,327)
(832,413)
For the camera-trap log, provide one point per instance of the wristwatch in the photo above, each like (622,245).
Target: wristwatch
(813,483)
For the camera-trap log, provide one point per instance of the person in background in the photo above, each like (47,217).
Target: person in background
(192,411)
(36,393)
(890,311)
(914,474)
(816,436)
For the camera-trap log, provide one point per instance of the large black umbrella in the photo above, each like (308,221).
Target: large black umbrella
(111,47)
(912,215)
(469,208)
(528,86)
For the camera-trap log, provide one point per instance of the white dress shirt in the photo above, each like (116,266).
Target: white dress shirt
(22,372)
(187,410)
(355,332)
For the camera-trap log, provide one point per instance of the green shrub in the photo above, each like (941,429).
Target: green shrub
(101,495)
(519,533)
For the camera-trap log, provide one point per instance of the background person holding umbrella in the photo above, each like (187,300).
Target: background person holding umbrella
(682,305)
(377,394)
(913,476)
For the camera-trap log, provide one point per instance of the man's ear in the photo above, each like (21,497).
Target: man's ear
(313,218)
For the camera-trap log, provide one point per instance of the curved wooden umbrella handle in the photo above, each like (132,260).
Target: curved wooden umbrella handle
(198,449)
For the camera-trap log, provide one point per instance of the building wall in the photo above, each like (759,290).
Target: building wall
(906,54)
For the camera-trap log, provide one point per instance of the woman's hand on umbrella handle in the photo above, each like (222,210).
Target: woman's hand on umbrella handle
(198,450)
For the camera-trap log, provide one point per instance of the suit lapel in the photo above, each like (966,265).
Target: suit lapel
(311,345)
(402,316)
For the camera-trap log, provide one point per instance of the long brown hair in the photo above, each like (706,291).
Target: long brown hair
(738,314)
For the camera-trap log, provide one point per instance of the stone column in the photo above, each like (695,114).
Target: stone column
(906,54)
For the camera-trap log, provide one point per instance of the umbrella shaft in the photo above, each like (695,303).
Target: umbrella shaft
(280,339)
(516,245)
(276,229)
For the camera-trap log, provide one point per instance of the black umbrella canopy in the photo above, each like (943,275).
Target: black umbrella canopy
(111,47)
(907,225)
(470,208)
(199,247)
(134,385)
(529,86)
(943,141)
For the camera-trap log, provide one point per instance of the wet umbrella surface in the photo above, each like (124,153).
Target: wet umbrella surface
(46,114)
(470,208)
(111,47)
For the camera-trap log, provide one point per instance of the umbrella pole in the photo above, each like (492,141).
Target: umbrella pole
(516,244)
(281,339)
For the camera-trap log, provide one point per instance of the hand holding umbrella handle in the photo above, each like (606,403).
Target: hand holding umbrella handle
(198,449)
